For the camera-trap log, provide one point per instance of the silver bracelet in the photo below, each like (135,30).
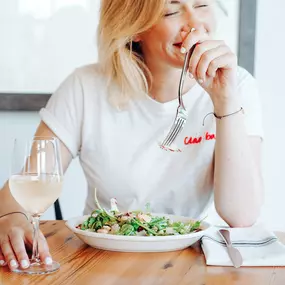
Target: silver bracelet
(14,213)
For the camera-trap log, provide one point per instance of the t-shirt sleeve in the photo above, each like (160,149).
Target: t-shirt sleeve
(63,113)
(251,104)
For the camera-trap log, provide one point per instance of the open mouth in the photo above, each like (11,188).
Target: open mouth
(178,45)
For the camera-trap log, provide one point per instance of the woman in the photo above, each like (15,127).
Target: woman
(115,114)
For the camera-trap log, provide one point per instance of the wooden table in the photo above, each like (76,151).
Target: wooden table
(84,265)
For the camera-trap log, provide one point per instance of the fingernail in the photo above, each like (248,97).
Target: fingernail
(193,29)
(2,262)
(24,264)
(191,75)
(13,263)
(201,81)
(48,261)
(183,50)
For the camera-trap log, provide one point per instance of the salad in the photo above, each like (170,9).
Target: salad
(134,223)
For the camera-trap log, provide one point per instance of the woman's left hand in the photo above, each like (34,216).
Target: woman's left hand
(213,65)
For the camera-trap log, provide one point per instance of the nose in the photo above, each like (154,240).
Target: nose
(192,20)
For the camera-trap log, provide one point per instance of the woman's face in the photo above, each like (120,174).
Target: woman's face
(161,44)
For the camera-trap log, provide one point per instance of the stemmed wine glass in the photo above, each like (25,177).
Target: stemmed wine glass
(36,183)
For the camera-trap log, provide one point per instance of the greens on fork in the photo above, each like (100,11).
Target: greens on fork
(134,223)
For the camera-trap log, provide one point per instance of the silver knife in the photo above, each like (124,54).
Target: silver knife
(234,254)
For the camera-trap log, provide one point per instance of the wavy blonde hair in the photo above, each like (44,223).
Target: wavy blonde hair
(120,58)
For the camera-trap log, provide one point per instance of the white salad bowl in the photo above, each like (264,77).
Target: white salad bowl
(137,243)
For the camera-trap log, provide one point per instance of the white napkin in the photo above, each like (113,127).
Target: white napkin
(258,247)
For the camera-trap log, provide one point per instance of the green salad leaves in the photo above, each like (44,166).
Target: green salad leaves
(135,223)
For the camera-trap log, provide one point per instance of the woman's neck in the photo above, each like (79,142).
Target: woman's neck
(165,83)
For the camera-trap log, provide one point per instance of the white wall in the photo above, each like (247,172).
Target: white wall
(43,41)
(228,25)
(269,69)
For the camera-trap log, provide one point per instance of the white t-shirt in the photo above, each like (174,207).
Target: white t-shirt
(119,150)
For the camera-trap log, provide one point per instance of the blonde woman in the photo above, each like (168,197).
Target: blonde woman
(114,114)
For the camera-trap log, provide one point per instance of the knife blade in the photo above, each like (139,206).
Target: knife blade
(234,253)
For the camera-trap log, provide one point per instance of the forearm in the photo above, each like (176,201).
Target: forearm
(238,186)
(7,201)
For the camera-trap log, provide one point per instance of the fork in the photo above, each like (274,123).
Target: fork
(181,114)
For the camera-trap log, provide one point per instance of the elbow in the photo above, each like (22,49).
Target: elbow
(242,224)
(243,212)
(240,219)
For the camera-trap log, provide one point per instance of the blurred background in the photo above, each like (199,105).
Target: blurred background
(42,41)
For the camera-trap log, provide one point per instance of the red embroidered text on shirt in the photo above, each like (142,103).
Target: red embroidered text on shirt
(198,140)
(209,137)
(192,140)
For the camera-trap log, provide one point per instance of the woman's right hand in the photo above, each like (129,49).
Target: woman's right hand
(16,237)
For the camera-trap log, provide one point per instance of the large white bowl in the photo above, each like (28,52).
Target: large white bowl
(137,243)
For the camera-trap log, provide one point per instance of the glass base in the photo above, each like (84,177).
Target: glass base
(38,268)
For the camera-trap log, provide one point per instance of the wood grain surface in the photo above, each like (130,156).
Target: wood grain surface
(81,264)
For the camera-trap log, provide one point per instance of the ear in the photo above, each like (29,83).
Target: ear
(136,38)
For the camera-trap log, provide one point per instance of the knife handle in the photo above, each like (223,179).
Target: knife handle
(226,236)
(234,253)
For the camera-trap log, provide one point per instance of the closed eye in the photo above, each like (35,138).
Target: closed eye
(201,6)
(171,14)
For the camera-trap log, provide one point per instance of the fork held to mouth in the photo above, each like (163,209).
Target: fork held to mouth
(181,114)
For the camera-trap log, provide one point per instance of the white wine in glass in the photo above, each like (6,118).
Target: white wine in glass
(36,183)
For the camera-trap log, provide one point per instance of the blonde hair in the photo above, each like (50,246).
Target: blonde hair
(120,58)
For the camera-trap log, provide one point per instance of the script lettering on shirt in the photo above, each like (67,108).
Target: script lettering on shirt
(209,137)
(192,140)
(198,140)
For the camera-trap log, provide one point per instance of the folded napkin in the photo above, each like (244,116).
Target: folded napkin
(258,247)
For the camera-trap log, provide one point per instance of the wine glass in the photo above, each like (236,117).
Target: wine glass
(36,183)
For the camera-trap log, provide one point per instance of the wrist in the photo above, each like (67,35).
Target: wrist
(227,106)
(21,214)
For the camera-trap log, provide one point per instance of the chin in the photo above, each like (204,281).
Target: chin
(177,62)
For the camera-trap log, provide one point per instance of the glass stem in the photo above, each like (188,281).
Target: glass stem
(35,256)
